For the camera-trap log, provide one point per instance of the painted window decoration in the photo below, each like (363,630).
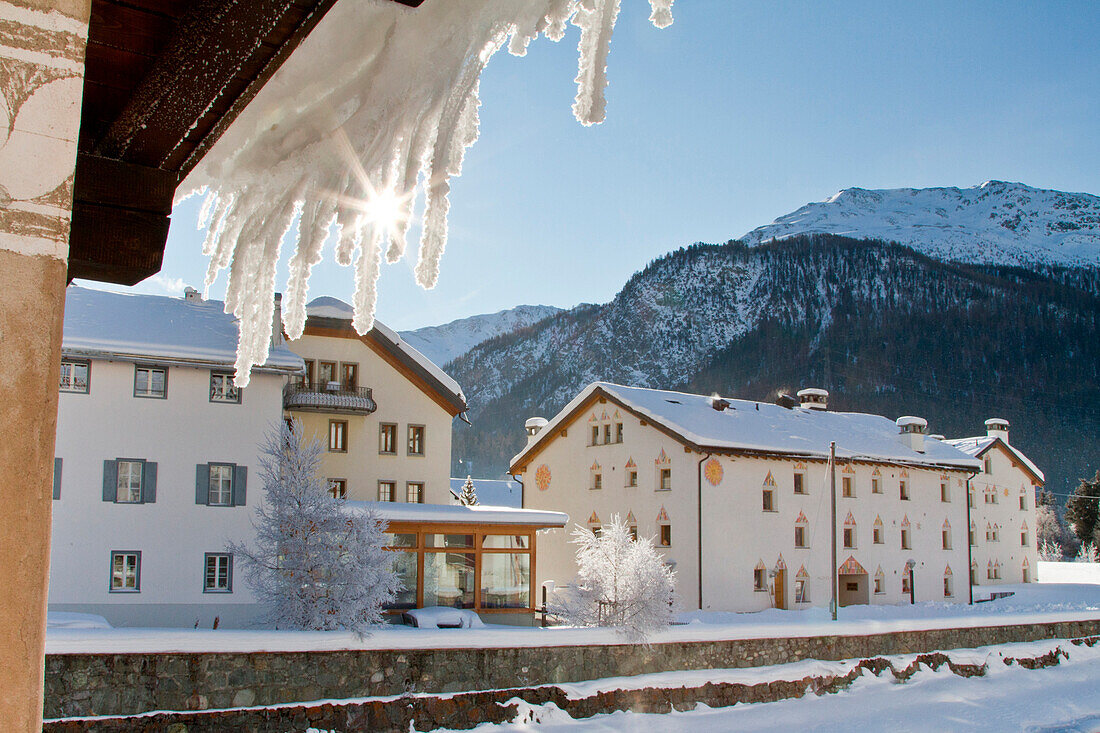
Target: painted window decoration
(880,581)
(664,529)
(632,525)
(948,589)
(848,482)
(800,534)
(849,532)
(946,534)
(851,567)
(713,471)
(596,477)
(595,526)
(877,531)
(631,473)
(767,493)
(906,540)
(542,477)
(802,586)
(1023,534)
(876,481)
(760,577)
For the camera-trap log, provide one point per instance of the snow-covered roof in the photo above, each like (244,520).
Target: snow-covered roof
(329,307)
(492,492)
(155,327)
(763,427)
(458,514)
(979,444)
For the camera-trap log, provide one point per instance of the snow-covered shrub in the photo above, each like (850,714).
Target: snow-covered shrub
(1089,552)
(621,582)
(468,497)
(315,564)
(1050,552)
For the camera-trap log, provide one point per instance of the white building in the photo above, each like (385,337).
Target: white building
(1002,500)
(156,458)
(737,495)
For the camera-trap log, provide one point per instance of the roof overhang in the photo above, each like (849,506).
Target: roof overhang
(163,80)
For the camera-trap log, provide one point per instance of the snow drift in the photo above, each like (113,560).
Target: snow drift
(378,102)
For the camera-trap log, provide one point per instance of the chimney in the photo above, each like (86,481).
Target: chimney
(785,400)
(719,404)
(190,295)
(997,427)
(912,431)
(813,398)
(533,426)
(277,322)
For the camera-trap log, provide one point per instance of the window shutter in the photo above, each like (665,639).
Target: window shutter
(110,480)
(202,483)
(57,478)
(149,483)
(240,485)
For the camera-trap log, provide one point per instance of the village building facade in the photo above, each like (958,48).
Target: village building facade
(1002,499)
(736,495)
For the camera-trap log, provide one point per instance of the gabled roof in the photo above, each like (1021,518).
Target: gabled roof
(757,427)
(328,316)
(977,446)
(100,324)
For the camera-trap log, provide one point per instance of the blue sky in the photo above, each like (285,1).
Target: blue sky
(736,114)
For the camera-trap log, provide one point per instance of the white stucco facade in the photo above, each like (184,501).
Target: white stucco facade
(786,535)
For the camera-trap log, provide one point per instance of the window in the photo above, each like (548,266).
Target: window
(801,591)
(414,492)
(326,372)
(221,485)
(595,435)
(996,534)
(760,580)
(876,535)
(876,485)
(416,440)
(768,499)
(74,376)
(128,487)
(970,498)
(664,535)
(349,375)
(947,586)
(150,382)
(597,481)
(880,584)
(903,490)
(310,371)
(799,536)
(386,490)
(991,496)
(945,496)
(618,432)
(338,436)
(973,540)
(947,539)
(665,480)
(387,438)
(125,571)
(632,477)
(607,433)
(1023,502)
(849,538)
(1023,538)
(905,587)
(338,488)
(987,464)
(633,529)
(222,388)
(800,483)
(905,545)
(218,575)
(846,487)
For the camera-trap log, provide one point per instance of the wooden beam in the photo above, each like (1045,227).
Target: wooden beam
(115,245)
(114,183)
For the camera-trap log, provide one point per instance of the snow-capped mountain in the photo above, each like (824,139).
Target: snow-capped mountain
(994,223)
(443,344)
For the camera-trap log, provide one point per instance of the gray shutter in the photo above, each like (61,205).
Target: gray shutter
(57,478)
(240,485)
(149,483)
(110,480)
(202,483)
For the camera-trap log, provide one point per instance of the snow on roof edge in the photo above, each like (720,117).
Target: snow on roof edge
(982,443)
(459,514)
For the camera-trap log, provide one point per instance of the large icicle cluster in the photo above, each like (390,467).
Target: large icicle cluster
(378,101)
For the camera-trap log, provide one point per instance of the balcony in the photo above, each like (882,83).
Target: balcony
(328,397)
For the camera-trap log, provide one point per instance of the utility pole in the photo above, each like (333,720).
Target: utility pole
(832,501)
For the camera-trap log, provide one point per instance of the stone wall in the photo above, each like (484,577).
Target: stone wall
(122,684)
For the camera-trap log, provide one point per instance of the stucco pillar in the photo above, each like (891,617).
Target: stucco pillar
(42,45)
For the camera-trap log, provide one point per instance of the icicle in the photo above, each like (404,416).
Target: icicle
(661,13)
(313,231)
(208,202)
(596,25)
(368,268)
(558,17)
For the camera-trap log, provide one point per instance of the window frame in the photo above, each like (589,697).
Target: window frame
(664,534)
(137,572)
(343,433)
(801,590)
(392,485)
(945,537)
(321,364)
(767,499)
(618,432)
(945,492)
(597,481)
(631,478)
(87,364)
(141,484)
(210,477)
(848,487)
(382,433)
(229,572)
(338,483)
(876,484)
(419,493)
(903,490)
(150,368)
(423,442)
(214,373)
(662,474)
(877,536)
(800,537)
(848,537)
(906,540)
(759,580)
(354,383)
(800,483)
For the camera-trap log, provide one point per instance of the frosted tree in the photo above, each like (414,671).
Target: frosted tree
(1051,532)
(1050,552)
(468,497)
(316,564)
(621,582)
(1082,510)
(1089,552)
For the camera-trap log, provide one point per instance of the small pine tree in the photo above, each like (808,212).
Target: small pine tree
(1050,552)
(1089,552)
(1081,509)
(468,496)
(621,582)
(315,565)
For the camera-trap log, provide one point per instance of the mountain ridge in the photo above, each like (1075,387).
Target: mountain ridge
(445,342)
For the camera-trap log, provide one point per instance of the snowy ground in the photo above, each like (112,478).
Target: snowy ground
(1075,595)
(1060,699)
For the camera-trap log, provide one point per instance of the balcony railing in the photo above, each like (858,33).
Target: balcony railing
(328,397)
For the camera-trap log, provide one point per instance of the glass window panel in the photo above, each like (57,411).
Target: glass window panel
(404,564)
(506,580)
(221,485)
(401,539)
(449,579)
(505,542)
(129,482)
(449,540)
